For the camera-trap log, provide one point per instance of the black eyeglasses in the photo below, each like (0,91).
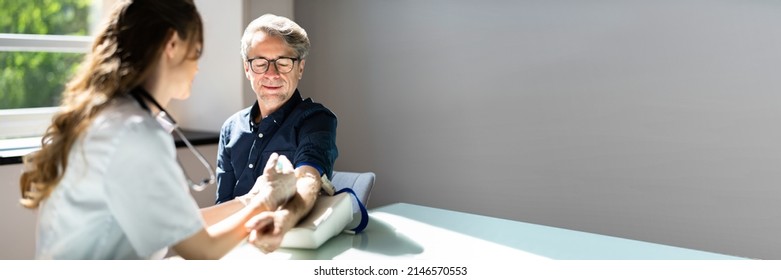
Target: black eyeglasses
(283,64)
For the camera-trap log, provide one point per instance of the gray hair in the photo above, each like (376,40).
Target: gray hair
(278,26)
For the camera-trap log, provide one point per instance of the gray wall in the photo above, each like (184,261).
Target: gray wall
(17,235)
(650,120)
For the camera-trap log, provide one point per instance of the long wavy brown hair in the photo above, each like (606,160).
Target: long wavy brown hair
(123,56)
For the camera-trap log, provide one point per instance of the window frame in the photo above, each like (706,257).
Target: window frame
(26,122)
(21,129)
(44,43)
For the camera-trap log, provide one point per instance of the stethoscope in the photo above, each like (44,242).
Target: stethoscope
(169,124)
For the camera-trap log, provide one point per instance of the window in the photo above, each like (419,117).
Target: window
(42,43)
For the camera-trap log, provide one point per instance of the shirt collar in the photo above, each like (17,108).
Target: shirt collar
(280,114)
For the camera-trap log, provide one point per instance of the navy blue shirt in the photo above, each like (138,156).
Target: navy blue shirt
(303,131)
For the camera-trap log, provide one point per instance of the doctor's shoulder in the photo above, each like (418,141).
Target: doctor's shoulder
(130,125)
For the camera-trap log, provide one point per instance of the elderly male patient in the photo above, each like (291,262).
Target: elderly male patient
(274,51)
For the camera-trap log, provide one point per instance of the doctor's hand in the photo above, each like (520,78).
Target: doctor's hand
(276,186)
(267,229)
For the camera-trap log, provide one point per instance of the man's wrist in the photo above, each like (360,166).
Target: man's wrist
(289,219)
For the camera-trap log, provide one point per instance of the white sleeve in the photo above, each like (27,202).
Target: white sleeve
(147,191)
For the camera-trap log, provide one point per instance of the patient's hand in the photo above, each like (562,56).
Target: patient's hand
(277,184)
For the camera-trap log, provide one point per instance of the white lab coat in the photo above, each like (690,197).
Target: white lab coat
(123,195)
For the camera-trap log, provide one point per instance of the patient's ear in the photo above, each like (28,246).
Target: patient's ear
(247,71)
(301,68)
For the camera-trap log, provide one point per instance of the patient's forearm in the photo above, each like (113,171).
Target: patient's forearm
(308,186)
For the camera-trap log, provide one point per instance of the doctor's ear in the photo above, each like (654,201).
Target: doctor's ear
(172,43)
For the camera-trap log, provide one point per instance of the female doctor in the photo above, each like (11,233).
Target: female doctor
(106,179)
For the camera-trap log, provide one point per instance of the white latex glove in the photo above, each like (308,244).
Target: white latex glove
(276,186)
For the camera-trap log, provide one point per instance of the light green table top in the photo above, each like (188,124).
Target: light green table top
(409,231)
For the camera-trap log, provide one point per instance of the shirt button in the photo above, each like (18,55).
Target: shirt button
(251,165)
(260,135)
